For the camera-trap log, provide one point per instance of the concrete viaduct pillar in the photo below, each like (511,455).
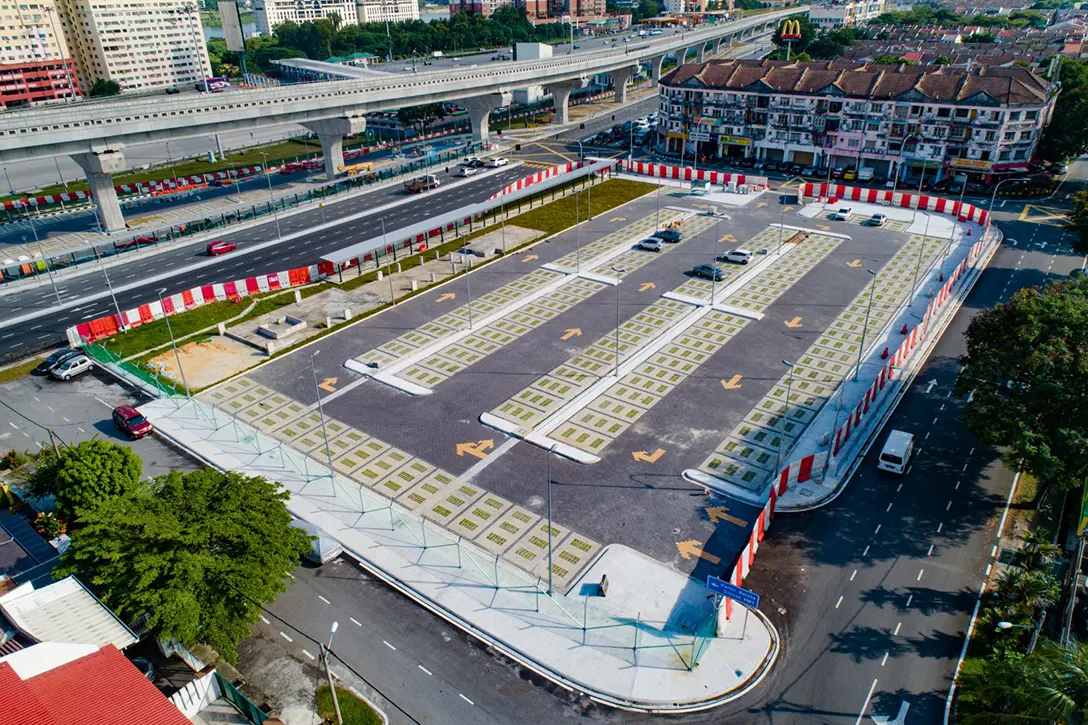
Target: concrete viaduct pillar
(100,166)
(330,132)
(560,93)
(479,112)
(655,69)
(620,78)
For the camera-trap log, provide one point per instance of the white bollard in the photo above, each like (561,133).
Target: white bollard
(432,278)
(415,285)
(379,274)
(298,296)
(347,313)
(328,322)
(222,328)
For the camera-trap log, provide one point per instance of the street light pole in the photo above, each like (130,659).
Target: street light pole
(109,285)
(324,431)
(865,329)
(785,413)
(45,261)
(328,674)
(173,342)
(551,451)
(618,272)
(918,266)
(781,222)
(271,201)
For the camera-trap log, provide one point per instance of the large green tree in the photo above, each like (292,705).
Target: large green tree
(1026,369)
(199,552)
(420,117)
(1077,221)
(1048,686)
(84,476)
(1066,136)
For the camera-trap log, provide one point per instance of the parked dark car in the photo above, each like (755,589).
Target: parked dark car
(772,166)
(46,366)
(668,235)
(708,271)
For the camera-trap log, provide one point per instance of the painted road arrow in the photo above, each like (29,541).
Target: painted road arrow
(795,322)
(692,548)
(720,513)
(646,285)
(572,332)
(618,219)
(447,296)
(728,238)
(824,227)
(328,384)
(855,264)
(648,457)
(529,258)
(930,385)
(477,449)
(900,719)
(761,204)
(733,383)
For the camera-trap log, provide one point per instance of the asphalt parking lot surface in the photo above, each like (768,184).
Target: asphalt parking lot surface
(532,325)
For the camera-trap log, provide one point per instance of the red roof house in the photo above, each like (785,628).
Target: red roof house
(102,687)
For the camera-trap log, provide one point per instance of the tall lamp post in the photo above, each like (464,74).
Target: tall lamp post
(325,649)
(618,272)
(785,413)
(41,250)
(865,329)
(551,452)
(173,342)
(271,201)
(324,431)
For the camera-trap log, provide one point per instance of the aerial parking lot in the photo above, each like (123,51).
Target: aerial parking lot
(450,402)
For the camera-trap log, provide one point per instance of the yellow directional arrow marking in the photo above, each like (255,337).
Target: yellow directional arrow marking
(719,513)
(692,548)
(795,322)
(824,227)
(855,264)
(328,384)
(572,332)
(447,296)
(761,204)
(646,285)
(733,383)
(477,449)
(618,219)
(529,258)
(648,457)
(788,208)
(701,206)
(728,238)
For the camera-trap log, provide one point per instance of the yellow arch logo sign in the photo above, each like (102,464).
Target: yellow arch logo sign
(791,30)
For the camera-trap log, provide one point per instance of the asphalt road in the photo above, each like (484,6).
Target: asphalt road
(43,321)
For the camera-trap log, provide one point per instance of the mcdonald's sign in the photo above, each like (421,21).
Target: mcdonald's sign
(791,30)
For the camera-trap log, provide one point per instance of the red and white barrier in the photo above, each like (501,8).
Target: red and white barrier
(536,178)
(687,173)
(103,327)
(968,212)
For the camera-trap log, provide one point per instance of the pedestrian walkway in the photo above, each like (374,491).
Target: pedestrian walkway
(649,640)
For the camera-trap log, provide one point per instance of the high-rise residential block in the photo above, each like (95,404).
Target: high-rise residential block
(267,14)
(35,64)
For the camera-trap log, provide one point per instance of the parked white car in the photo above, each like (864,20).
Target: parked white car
(497,162)
(467,171)
(841,214)
(650,245)
(737,256)
(72,367)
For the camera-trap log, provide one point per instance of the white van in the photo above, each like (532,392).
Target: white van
(324,548)
(896,453)
(866,173)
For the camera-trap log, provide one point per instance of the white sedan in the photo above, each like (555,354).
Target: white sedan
(467,171)
(497,162)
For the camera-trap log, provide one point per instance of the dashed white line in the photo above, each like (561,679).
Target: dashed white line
(957,485)
(910,598)
(939,527)
(838,602)
(930,552)
(424,669)
(355,621)
(308,655)
(853,575)
(13,425)
(265,620)
(971,452)
(286,637)
(877,531)
(897,626)
(470,702)
(948,506)
(866,552)
(920,573)
(993,551)
(65,419)
(865,705)
(885,660)
(389,645)
(888,509)
(927,436)
(988,568)
(899,488)
(323,599)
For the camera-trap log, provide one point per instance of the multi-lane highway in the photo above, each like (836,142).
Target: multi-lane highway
(32,319)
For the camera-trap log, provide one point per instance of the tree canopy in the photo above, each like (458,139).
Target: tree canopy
(935,14)
(1066,136)
(84,476)
(420,117)
(199,552)
(1027,370)
(103,87)
(1078,222)
(815,43)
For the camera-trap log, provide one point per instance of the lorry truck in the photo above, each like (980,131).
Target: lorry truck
(421,184)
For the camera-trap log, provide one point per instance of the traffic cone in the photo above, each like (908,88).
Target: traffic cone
(904,330)
(884,355)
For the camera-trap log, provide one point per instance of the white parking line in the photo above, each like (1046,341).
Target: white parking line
(356,622)
(838,602)
(424,669)
(265,620)
(286,637)
(470,702)
(308,655)
(323,599)
(389,645)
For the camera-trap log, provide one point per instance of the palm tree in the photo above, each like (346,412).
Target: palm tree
(1036,552)
(1048,686)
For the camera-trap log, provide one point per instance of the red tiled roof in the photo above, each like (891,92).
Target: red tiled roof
(102,688)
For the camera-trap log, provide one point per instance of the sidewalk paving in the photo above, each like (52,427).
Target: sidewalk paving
(654,643)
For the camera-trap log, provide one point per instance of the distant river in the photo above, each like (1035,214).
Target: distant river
(250,28)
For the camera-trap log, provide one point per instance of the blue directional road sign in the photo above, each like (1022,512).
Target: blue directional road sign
(746,597)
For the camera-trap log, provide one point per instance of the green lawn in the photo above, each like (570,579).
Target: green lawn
(17,371)
(558,215)
(352,709)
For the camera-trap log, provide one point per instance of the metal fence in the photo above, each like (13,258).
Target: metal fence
(243,704)
(152,380)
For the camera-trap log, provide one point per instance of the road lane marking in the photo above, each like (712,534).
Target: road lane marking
(866,552)
(988,567)
(13,425)
(885,660)
(323,599)
(286,637)
(993,551)
(470,702)
(865,705)
(897,626)
(838,602)
(957,485)
(424,669)
(853,575)
(355,621)
(920,573)
(939,527)
(948,506)
(888,509)
(877,530)
(308,655)
(389,645)
(910,598)
(930,552)
(899,488)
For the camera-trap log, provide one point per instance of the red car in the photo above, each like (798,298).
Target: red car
(128,420)
(216,248)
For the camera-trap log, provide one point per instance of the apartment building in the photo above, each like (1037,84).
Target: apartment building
(141,44)
(393,11)
(894,119)
(267,14)
(842,14)
(35,65)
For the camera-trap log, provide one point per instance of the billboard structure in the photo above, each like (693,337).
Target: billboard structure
(790,33)
(231,18)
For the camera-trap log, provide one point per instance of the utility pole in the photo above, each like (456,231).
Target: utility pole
(328,674)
